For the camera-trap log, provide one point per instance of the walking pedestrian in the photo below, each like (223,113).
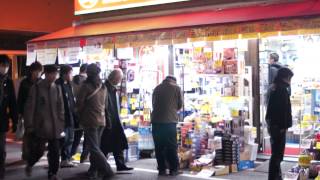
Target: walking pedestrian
(279,119)
(77,82)
(166,102)
(69,115)
(7,102)
(45,120)
(91,104)
(33,77)
(113,139)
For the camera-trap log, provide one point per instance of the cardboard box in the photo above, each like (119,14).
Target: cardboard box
(250,152)
(221,170)
(233,168)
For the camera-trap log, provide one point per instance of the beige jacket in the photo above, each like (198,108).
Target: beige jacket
(44,111)
(91,108)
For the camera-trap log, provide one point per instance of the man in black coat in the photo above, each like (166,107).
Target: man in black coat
(279,119)
(77,82)
(7,102)
(34,76)
(113,139)
(69,108)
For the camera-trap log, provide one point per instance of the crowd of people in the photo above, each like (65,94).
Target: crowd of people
(59,110)
(57,113)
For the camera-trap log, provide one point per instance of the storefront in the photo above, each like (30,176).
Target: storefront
(216,66)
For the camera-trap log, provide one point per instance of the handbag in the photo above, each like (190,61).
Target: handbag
(20,129)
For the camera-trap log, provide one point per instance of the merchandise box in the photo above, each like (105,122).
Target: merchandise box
(233,168)
(250,152)
(245,165)
(221,170)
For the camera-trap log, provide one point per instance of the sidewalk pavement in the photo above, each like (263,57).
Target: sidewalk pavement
(145,169)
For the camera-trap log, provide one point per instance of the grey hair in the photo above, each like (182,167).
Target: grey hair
(114,73)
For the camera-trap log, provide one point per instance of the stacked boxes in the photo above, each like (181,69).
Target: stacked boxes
(231,147)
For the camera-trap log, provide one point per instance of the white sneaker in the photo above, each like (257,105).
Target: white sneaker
(67,164)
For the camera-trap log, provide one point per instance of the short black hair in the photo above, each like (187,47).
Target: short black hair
(50,69)
(274,56)
(170,77)
(4,60)
(36,66)
(283,73)
(83,68)
(65,69)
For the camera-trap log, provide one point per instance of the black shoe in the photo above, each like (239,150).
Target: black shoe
(124,168)
(175,173)
(108,176)
(162,173)
(83,158)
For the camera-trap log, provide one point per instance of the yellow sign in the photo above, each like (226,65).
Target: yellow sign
(94,6)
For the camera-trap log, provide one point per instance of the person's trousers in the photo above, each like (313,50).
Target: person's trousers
(67,142)
(76,142)
(2,153)
(37,149)
(278,141)
(119,159)
(98,161)
(165,141)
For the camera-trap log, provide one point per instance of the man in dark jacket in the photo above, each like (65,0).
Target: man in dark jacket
(7,102)
(274,66)
(279,119)
(91,104)
(166,102)
(69,107)
(34,76)
(113,139)
(45,119)
(77,82)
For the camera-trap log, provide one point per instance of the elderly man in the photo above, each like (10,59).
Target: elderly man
(166,102)
(113,139)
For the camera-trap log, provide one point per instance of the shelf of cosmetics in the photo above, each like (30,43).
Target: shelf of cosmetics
(309,160)
(222,85)
(204,59)
(308,167)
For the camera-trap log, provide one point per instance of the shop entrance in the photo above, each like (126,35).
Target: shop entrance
(299,53)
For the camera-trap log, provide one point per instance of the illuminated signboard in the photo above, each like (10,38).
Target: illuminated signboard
(93,6)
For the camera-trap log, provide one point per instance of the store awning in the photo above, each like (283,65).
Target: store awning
(309,7)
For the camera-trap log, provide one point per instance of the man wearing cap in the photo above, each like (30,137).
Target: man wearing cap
(166,102)
(45,119)
(7,102)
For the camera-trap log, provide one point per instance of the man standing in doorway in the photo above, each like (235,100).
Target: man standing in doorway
(113,139)
(69,113)
(279,119)
(274,66)
(7,102)
(166,102)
